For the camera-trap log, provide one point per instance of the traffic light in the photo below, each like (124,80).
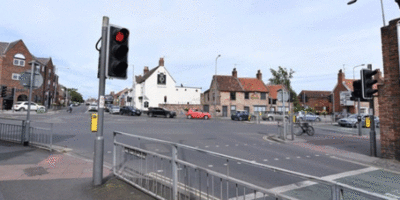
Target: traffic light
(367,83)
(3,91)
(357,91)
(117,52)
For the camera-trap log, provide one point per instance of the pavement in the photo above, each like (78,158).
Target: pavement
(32,173)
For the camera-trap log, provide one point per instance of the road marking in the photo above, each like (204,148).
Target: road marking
(307,156)
(160,170)
(265,160)
(108,151)
(298,157)
(227,145)
(276,159)
(236,145)
(210,165)
(287,158)
(317,155)
(239,163)
(216,145)
(303,184)
(226,164)
(206,146)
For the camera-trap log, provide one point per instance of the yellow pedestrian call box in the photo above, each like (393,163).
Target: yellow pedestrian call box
(93,125)
(294,119)
(367,122)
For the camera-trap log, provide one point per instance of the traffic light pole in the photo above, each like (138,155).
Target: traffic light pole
(372,133)
(359,122)
(99,141)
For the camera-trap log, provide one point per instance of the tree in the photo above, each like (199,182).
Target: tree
(282,77)
(75,95)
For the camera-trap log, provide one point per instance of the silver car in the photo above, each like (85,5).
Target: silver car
(114,109)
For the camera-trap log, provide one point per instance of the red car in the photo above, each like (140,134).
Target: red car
(197,114)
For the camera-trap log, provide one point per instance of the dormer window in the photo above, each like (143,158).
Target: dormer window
(19,60)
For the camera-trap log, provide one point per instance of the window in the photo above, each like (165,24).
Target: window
(247,109)
(246,95)
(16,76)
(19,60)
(165,99)
(146,104)
(233,96)
(208,96)
(233,109)
(263,95)
(206,108)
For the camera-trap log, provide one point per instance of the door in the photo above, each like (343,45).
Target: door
(246,108)
(224,111)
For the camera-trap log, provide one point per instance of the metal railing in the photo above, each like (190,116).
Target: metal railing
(168,177)
(14,131)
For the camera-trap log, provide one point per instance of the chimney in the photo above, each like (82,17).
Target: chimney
(234,73)
(145,70)
(161,62)
(259,75)
(340,77)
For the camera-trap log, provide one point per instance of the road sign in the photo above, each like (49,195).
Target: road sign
(25,79)
(285,95)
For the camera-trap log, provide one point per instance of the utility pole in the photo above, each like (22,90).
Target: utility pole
(133,87)
(99,141)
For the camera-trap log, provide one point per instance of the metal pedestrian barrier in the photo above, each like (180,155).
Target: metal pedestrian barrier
(13,130)
(160,169)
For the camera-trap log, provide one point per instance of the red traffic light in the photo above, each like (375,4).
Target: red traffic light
(121,35)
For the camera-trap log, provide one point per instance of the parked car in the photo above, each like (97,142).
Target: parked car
(107,108)
(114,109)
(197,114)
(129,110)
(155,111)
(348,121)
(271,116)
(301,116)
(377,122)
(240,115)
(93,107)
(23,105)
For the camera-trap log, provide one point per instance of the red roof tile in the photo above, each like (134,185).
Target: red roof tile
(229,83)
(253,85)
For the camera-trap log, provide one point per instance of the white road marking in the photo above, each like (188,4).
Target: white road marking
(287,158)
(226,164)
(227,145)
(216,145)
(276,159)
(265,160)
(206,146)
(160,170)
(298,157)
(236,145)
(307,156)
(302,184)
(108,151)
(210,165)
(239,163)
(317,155)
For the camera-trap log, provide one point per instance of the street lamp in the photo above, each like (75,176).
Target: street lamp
(215,88)
(356,67)
(383,13)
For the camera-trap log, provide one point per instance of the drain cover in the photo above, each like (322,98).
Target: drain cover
(34,171)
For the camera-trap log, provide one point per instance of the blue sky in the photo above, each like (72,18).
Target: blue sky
(314,38)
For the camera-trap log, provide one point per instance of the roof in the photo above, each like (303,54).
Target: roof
(228,83)
(311,93)
(44,61)
(140,79)
(273,90)
(349,83)
(253,85)
(3,46)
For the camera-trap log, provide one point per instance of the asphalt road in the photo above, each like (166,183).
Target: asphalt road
(312,156)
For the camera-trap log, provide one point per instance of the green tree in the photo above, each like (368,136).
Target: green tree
(282,77)
(75,95)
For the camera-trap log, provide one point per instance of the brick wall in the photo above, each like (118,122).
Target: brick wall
(389,94)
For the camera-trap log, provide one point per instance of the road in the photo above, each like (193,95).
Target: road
(315,156)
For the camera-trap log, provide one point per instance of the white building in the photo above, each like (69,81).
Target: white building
(157,86)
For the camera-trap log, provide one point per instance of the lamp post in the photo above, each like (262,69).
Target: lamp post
(215,88)
(356,67)
(383,14)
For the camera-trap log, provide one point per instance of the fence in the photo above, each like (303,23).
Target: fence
(14,131)
(165,174)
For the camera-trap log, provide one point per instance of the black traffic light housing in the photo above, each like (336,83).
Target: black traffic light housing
(117,63)
(367,83)
(3,91)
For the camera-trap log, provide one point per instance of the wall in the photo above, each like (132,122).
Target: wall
(389,94)
(180,108)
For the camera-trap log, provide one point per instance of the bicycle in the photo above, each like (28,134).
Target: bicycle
(304,127)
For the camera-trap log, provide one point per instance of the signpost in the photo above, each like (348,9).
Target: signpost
(283,96)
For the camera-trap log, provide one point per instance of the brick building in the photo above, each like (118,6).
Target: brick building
(318,100)
(231,93)
(15,58)
(342,91)
(389,93)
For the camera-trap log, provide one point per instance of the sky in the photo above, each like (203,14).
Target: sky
(314,38)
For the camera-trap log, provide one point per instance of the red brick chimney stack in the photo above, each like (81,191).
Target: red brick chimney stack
(145,70)
(234,73)
(161,62)
(340,76)
(259,75)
